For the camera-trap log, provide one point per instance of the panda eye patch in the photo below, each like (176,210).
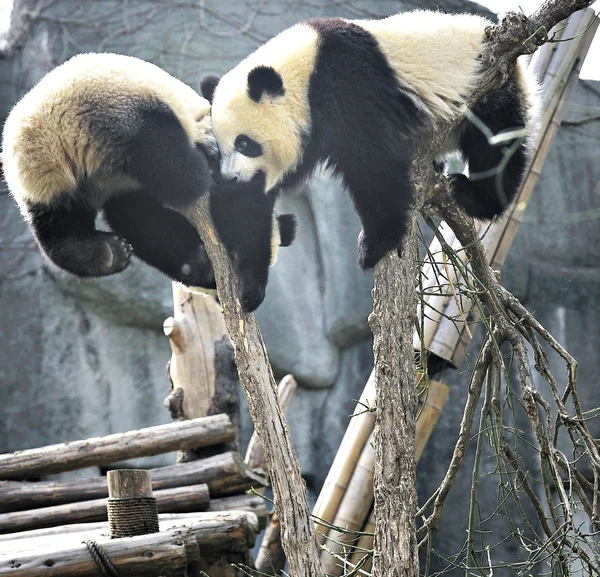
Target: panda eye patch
(247,146)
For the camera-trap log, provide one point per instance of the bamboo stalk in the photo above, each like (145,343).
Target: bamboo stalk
(431,407)
(215,533)
(104,450)
(176,500)
(225,474)
(355,438)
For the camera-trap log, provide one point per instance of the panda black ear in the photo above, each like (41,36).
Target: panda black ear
(208,85)
(288,225)
(264,79)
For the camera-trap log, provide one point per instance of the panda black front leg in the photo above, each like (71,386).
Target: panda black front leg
(67,235)
(161,237)
(383,201)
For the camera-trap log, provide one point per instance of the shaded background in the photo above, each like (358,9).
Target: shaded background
(82,359)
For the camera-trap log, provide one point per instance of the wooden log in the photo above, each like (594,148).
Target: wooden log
(251,503)
(143,556)
(270,559)
(215,533)
(176,500)
(104,450)
(225,474)
(256,377)
(127,483)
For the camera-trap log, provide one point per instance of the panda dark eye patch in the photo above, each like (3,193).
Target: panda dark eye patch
(247,146)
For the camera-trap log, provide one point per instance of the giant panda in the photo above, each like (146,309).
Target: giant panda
(113,132)
(358,96)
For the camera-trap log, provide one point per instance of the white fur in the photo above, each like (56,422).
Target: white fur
(47,147)
(292,53)
(433,54)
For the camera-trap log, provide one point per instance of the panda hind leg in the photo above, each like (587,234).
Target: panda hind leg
(67,235)
(496,172)
(161,237)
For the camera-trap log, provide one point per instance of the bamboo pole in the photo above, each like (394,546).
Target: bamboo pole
(176,500)
(357,501)
(225,474)
(358,432)
(104,450)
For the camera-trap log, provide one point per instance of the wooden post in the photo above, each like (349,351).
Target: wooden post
(202,371)
(131,505)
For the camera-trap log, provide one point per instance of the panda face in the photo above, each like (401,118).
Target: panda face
(255,135)
(260,109)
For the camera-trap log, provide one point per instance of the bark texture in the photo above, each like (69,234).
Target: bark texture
(394,487)
(256,377)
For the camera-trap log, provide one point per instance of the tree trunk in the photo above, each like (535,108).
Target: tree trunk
(394,486)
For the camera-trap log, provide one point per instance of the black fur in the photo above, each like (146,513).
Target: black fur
(491,186)
(149,144)
(161,237)
(67,236)
(146,143)
(288,225)
(242,214)
(363,120)
(264,79)
(208,85)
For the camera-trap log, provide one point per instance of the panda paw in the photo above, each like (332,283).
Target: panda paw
(120,253)
(371,251)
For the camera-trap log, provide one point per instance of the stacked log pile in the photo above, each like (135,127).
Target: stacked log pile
(44,525)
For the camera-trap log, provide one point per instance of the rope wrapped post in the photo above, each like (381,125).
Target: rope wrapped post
(298,536)
(132,507)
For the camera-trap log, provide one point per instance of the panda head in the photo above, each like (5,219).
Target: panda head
(259,120)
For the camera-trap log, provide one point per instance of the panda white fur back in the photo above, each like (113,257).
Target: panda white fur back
(115,133)
(44,165)
(358,95)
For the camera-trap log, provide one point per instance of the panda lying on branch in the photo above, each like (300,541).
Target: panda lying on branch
(360,96)
(118,134)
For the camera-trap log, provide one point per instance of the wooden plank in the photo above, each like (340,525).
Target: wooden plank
(104,450)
